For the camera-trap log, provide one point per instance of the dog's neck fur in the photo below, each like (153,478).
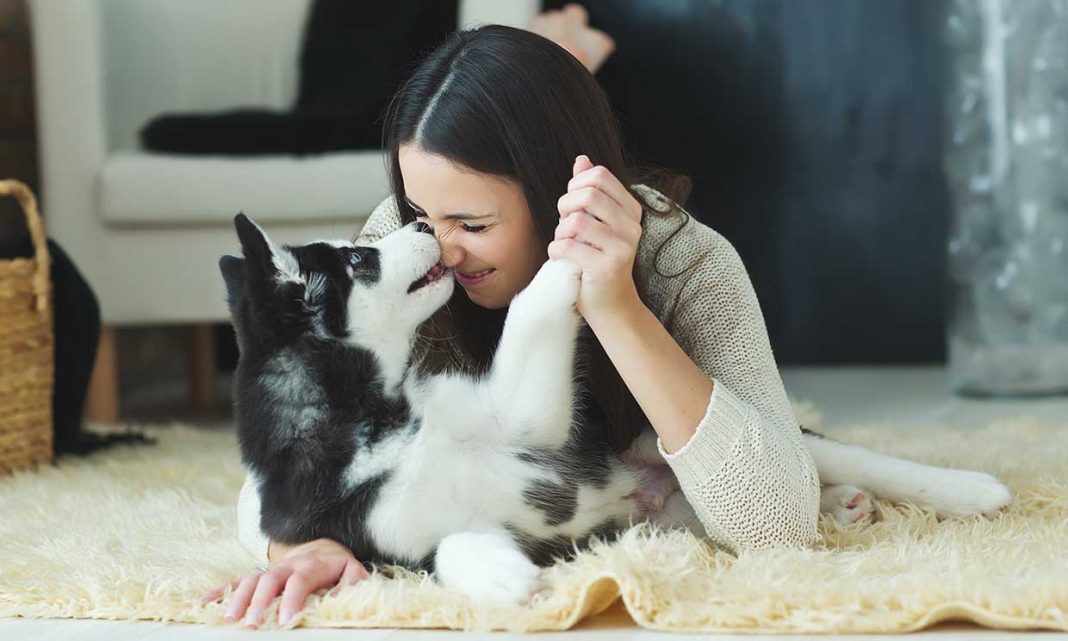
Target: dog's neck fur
(391,344)
(394,357)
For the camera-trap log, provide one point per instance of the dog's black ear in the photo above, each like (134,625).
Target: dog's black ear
(233,273)
(254,242)
(264,256)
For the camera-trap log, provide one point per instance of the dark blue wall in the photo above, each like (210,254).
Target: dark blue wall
(813,132)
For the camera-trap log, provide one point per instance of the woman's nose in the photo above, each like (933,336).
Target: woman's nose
(451,255)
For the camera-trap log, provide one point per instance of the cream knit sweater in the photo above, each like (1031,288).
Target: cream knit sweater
(746,471)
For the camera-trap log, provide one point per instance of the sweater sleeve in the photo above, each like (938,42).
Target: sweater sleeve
(248,521)
(383,220)
(746,470)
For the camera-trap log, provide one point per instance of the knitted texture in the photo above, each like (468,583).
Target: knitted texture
(746,470)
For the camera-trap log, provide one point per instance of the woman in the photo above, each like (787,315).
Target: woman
(507,147)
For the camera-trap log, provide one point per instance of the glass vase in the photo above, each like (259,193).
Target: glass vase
(1005,159)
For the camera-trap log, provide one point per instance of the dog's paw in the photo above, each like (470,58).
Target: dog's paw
(488,567)
(846,504)
(968,493)
(553,289)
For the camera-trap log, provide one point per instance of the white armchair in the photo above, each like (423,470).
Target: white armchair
(147,229)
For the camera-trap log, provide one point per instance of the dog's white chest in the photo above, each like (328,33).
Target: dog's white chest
(440,485)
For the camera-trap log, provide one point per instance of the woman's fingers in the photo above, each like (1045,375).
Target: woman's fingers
(298,587)
(591,200)
(304,568)
(607,182)
(267,588)
(585,228)
(581,164)
(596,203)
(354,572)
(313,577)
(241,596)
(576,251)
(218,592)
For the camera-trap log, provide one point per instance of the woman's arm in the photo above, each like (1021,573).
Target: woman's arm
(600,229)
(671,389)
(734,445)
(747,470)
(741,462)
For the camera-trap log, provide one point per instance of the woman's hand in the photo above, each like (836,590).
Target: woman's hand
(569,28)
(302,570)
(599,229)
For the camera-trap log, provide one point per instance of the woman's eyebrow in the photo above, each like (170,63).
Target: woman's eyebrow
(456,216)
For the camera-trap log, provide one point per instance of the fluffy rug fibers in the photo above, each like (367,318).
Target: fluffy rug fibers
(143,532)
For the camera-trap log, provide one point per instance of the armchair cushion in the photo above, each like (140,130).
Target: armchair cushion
(162,189)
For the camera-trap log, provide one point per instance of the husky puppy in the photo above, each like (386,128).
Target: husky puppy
(479,480)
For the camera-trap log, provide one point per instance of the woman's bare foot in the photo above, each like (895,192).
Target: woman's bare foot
(569,28)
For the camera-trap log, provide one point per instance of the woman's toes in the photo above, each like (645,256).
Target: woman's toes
(846,504)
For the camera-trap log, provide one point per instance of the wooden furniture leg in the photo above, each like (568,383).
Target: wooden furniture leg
(202,365)
(102,405)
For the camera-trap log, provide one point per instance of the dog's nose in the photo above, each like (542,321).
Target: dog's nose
(423,227)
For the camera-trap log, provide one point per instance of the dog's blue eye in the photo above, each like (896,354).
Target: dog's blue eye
(355,258)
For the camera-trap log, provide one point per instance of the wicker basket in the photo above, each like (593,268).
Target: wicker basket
(26,347)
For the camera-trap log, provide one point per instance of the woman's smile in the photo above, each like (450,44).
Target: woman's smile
(474,279)
(482,223)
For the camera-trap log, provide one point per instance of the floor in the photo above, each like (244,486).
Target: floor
(905,395)
(845,395)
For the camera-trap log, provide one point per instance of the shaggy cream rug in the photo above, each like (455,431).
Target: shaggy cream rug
(143,532)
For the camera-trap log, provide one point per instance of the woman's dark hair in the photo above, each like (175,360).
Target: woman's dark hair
(507,102)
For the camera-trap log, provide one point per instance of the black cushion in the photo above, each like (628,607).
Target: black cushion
(354,56)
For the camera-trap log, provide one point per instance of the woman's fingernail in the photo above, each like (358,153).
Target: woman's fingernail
(285,617)
(252,618)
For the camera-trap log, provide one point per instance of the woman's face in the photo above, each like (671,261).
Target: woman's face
(481,221)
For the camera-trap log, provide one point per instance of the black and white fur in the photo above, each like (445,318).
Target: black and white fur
(480,480)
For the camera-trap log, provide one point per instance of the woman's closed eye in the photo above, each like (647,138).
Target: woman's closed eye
(473,229)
